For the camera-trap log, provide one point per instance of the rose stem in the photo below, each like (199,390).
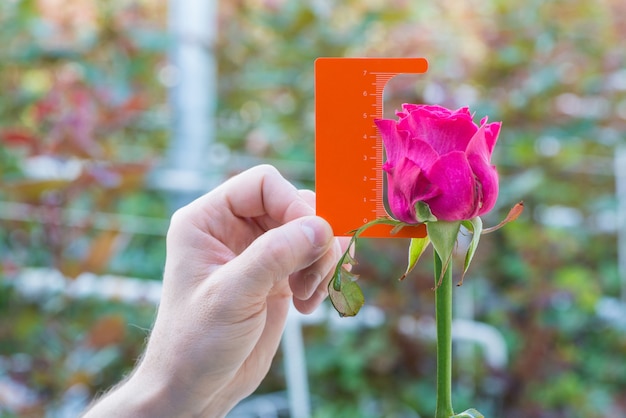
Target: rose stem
(443,318)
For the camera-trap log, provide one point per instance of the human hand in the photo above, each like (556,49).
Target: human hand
(235,259)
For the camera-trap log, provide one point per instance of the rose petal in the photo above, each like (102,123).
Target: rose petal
(395,141)
(455,180)
(421,153)
(479,155)
(407,185)
(487,180)
(445,132)
(492,131)
(485,138)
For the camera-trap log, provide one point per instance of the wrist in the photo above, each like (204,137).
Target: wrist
(144,394)
(136,397)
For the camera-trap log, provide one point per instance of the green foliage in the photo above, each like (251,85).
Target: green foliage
(64,343)
(78,135)
(551,71)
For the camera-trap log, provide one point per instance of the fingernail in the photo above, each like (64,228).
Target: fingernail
(317,231)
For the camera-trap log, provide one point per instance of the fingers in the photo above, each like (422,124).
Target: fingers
(259,191)
(310,286)
(277,254)
(308,196)
(304,284)
(276,244)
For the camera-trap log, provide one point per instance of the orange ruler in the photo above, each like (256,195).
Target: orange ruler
(349,180)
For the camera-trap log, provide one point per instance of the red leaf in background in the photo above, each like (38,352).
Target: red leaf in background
(16,137)
(115,116)
(134,104)
(108,330)
(43,109)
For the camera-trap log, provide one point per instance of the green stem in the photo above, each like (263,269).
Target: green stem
(443,317)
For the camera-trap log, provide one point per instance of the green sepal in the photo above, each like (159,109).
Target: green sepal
(423,213)
(349,299)
(470,413)
(443,235)
(416,249)
(475,226)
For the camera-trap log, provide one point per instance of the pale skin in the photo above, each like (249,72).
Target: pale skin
(237,258)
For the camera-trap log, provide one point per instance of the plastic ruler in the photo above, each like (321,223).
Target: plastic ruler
(349,180)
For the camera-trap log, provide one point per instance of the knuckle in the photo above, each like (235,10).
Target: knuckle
(266,170)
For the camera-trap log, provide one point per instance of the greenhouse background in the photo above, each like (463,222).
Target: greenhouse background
(113,114)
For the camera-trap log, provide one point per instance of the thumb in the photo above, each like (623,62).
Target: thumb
(278,253)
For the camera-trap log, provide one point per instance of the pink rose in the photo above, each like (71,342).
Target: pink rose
(442,158)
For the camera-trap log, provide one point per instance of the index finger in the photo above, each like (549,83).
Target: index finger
(260,192)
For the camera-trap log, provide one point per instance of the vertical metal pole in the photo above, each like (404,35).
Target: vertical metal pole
(295,367)
(620,194)
(193,94)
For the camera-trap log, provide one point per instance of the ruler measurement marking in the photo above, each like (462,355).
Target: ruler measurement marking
(379,206)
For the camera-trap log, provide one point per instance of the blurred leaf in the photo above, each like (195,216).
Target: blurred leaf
(102,248)
(108,330)
(18,137)
(32,191)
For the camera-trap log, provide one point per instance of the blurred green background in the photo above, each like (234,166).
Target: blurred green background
(91,129)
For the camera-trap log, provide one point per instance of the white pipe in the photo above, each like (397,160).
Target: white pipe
(296,367)
(486,336)
(620,194)
(193,87)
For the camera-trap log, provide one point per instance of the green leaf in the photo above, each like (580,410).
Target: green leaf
(416,249)
(340,270)
(423,213)
(475,226)
(470,413)
(349,299)
(443,235)
(345,294)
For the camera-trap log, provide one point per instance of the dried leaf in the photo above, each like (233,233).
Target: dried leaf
(513,214)
(349,299)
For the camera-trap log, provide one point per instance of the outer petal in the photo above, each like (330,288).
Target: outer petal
(479,155)
(454,178)
(395,141)
(406,185)
(487,182)
(445,132)
(435,110)
(484,140)
(492,130)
